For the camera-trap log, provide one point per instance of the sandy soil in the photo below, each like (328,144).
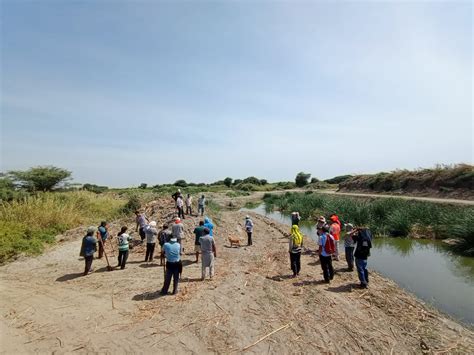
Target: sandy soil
(48,307)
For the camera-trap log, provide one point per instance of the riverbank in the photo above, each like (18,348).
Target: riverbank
(46,306)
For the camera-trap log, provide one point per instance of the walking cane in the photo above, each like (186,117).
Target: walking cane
(109,268)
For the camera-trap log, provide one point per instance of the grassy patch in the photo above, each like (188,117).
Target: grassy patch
(387,216)
(27,225)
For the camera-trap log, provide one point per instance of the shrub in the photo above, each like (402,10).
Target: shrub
(302,179)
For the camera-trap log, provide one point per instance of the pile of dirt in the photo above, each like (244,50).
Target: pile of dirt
(252,305)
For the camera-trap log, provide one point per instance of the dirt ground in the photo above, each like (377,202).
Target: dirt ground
(48,307)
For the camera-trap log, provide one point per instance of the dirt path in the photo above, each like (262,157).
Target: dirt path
(47,307)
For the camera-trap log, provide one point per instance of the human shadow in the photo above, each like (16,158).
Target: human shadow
(189,279)
(310,252)
(69,277)
(146,296)
(279,278)
(188,262)
(308,282)
(146,266)
(341,288)
(314,263)
(233,246)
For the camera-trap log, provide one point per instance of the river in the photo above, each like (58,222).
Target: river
(426,268)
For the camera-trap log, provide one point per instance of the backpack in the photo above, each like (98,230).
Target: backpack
(329,245)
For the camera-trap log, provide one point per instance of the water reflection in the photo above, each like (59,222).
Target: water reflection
(425,267)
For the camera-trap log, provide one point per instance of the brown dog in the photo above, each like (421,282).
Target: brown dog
(234,241)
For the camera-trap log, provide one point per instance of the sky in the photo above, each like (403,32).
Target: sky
(126,92)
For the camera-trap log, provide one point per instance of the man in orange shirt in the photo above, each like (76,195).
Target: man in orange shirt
(335,231)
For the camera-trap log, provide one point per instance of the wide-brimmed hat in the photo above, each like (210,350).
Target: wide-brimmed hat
(153,223)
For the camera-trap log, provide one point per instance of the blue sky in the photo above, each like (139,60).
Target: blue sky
(147,91)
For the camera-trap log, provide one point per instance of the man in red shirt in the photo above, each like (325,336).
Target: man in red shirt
(335,231)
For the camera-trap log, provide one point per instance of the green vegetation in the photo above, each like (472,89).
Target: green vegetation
(41,178)
(457,179)
(27,224)
(302,179)
(391,217)
(338,179)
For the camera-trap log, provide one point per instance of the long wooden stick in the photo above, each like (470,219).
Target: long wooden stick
(266,336)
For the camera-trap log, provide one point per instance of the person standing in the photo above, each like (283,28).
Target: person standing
(295,218)
(201,204)
(349,245)
(326,248)
(142,221)
(175,195)
(249,229)
(88,248)
(180,206)
(208,224)
(177,231)
(208,250)
(171,251)
(189,205)
(151,236)
(163,237)
(102,235)
(296,244)
(335,230)
(363,237)
(198,232)
(123,240)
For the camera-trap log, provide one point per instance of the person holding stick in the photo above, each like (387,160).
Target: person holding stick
(102,235)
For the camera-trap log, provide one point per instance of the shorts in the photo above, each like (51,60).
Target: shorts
(197,248)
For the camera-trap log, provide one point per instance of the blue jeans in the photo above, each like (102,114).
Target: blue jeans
(362,271)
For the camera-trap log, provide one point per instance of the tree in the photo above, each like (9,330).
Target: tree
(237,181)
(251,180)
(142,186)
(263,182)
(302,179)
(40,178)
(180,183)
(228,181)
(94,188)
(314,180)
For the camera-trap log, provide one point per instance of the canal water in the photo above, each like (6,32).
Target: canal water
(426,268)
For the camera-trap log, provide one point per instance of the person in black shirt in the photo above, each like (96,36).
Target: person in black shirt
(363,238)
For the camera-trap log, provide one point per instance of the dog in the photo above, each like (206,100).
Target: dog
(234,241)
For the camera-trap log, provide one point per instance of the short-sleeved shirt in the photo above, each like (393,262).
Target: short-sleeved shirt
(151,234)
(201,201)
(348,241)
(335,230)
(179,202)
(189,201)
(209,226)
(172,251)
(90,245)
(206,244)
(123,241)
(198,232)
(322,241)
(141,220)
(177,230)
(104,234)
(164,236)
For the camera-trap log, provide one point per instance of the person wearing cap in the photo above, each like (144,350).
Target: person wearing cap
(179,206)
(325,258)
(151,236)
(177,230)
(319,226)
(88,248)
(249,229)
(335,230)
(201,204)
(295,218)
(102,236)
(123,240)
(198,232)
(172,253)
(349,245)
(208,250)
(142,221)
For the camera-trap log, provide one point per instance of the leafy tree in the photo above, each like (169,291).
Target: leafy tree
(180,183)
(94,188)
(314,180)
(263,182)
(237,181)
(142,186)
(228,181)
(40,178)
(302,179)
(251,180)
(338,179)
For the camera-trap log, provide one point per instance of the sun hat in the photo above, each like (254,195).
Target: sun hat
(322,219)
(173,239)
(177,220)
(91,229)
(348,227)
(153,223)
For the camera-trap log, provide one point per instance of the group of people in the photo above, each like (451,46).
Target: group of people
(180,202)
(357,244)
